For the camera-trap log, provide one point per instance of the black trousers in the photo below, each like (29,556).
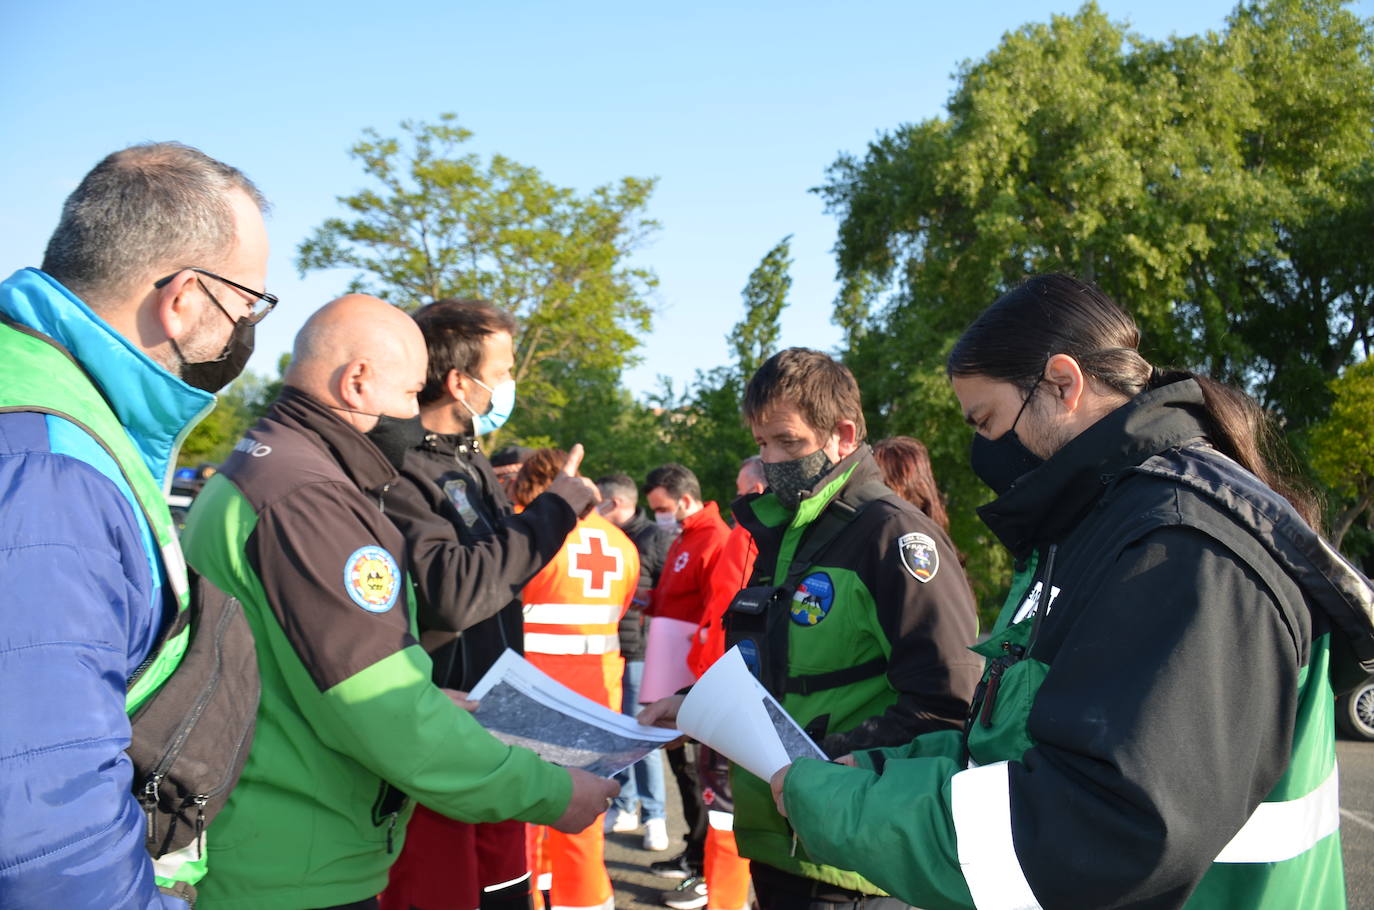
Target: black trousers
(683,763)
(779,890)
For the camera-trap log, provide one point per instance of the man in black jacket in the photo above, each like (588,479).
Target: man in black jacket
(642,783)
(471,556)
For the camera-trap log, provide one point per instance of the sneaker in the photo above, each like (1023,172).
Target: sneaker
(676,867)
(656,835)
(690,895)
(620,822)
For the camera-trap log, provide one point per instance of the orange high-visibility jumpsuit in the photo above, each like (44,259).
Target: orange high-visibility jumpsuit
(572,608)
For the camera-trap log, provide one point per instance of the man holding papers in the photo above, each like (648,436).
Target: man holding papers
(857,617)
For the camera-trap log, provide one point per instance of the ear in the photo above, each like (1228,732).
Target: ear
(177,306)
(1066,379)
(847,432)
(454,384)
(355,384)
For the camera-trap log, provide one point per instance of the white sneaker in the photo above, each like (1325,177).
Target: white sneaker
(656,835)
(618,822)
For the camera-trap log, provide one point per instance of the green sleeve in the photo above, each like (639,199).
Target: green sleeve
(941,744)
(392,720)
(895,829)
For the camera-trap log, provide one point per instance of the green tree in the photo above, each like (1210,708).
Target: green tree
(439,223)
(1342,447)
(1208,183)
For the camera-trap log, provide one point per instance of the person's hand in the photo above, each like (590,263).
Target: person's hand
(662,713)
(578,492)
(776,785)
(460,699)
(847,759)
(591,795)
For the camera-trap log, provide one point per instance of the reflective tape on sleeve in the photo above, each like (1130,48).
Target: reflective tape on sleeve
(721,821)
(981,802)
(1282,830)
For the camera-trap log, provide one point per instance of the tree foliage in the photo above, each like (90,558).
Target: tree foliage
(1342,446)
(1214,185)
(440,223)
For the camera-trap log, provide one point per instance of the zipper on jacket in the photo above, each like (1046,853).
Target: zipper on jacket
(149,800)
(391,832)
(199,802)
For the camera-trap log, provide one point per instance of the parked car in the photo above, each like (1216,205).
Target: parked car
(1355,712)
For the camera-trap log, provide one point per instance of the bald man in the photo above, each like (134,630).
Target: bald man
(350,727)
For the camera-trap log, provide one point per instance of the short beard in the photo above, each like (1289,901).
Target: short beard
(200,345)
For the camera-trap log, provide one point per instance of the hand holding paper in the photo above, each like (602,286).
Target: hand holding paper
(730,711)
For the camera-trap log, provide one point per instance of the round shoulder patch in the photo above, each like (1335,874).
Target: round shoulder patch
(919,555)
(812,600)
(372,579)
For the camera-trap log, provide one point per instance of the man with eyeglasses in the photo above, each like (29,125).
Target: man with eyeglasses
(148,288)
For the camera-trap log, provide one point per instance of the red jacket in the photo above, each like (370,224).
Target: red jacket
(681,589)
(731,571)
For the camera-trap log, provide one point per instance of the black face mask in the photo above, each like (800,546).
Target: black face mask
(213,375)
(789,479)
(395,436)
(1001,462)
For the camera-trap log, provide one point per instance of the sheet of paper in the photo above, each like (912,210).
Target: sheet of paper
(523,706)
(730,711)
(665,658)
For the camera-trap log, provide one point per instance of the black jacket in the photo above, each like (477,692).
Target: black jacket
(470,554)
(1176,644)
(652,543)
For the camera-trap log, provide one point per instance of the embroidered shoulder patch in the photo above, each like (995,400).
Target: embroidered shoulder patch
(919,556)
(372,579)
(812,600)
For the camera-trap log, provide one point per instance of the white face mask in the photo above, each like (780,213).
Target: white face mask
(666,520)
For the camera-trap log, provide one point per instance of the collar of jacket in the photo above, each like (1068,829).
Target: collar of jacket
(155,407)
(362,461)
(761,512)
(1046,504)
(708,514)
(452,444)
(637,523)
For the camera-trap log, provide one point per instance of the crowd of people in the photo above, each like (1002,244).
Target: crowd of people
(1148,723)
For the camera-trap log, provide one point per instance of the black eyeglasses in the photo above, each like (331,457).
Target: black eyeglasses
(263,302)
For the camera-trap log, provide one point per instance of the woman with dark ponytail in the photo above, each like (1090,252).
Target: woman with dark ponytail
(1154,727)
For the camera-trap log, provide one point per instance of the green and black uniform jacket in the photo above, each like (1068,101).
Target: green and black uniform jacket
(293,527)
(1160,736)
(859,603)
(470,554)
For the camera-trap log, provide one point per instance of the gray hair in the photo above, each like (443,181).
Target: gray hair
(620,486)
(159,205)
(753,465)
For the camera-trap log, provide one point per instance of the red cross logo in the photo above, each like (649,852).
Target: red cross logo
(595,561)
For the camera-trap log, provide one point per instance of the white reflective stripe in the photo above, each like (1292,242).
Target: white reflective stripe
(174,567)
(721,821)
(515,881)
(545,881)
(548,643)
(572,614)
(981,802)
(1282,830)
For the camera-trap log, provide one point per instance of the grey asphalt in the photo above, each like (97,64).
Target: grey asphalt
(636,887)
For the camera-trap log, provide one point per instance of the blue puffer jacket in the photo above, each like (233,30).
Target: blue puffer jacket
(80,608)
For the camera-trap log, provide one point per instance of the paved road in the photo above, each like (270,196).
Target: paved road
(637,889)
(1357,821)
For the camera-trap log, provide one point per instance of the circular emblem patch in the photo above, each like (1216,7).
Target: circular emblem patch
(812,600)
(372,579)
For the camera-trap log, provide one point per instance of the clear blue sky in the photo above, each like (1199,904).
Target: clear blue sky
(736,107)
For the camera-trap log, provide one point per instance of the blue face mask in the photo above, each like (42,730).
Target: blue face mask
(498,412)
